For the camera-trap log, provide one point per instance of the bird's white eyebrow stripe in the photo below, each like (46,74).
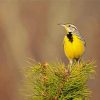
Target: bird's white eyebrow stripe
(74,27)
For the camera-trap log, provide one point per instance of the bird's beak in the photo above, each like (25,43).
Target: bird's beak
(63,25)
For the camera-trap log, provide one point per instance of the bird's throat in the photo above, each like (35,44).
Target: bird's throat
(70,36)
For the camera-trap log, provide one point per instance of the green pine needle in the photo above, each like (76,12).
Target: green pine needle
(57,82)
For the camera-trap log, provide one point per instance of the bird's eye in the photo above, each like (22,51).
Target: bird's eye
(69,25)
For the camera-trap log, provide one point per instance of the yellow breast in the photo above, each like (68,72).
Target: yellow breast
(74,49)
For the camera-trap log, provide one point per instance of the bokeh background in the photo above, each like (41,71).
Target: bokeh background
(28,29)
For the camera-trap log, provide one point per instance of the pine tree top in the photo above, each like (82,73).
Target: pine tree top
(57,81)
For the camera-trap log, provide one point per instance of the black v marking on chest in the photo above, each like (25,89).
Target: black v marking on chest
(70,37)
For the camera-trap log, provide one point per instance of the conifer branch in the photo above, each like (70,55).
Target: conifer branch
(57,81)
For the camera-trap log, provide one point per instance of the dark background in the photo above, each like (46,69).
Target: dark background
(28,29)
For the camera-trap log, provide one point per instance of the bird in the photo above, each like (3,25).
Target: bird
(73,43)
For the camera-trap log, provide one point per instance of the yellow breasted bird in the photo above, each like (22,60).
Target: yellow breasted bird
(74,44)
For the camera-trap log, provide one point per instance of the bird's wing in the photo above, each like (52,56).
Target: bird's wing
(81,37)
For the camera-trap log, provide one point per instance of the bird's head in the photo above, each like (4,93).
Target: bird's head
(69,28)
